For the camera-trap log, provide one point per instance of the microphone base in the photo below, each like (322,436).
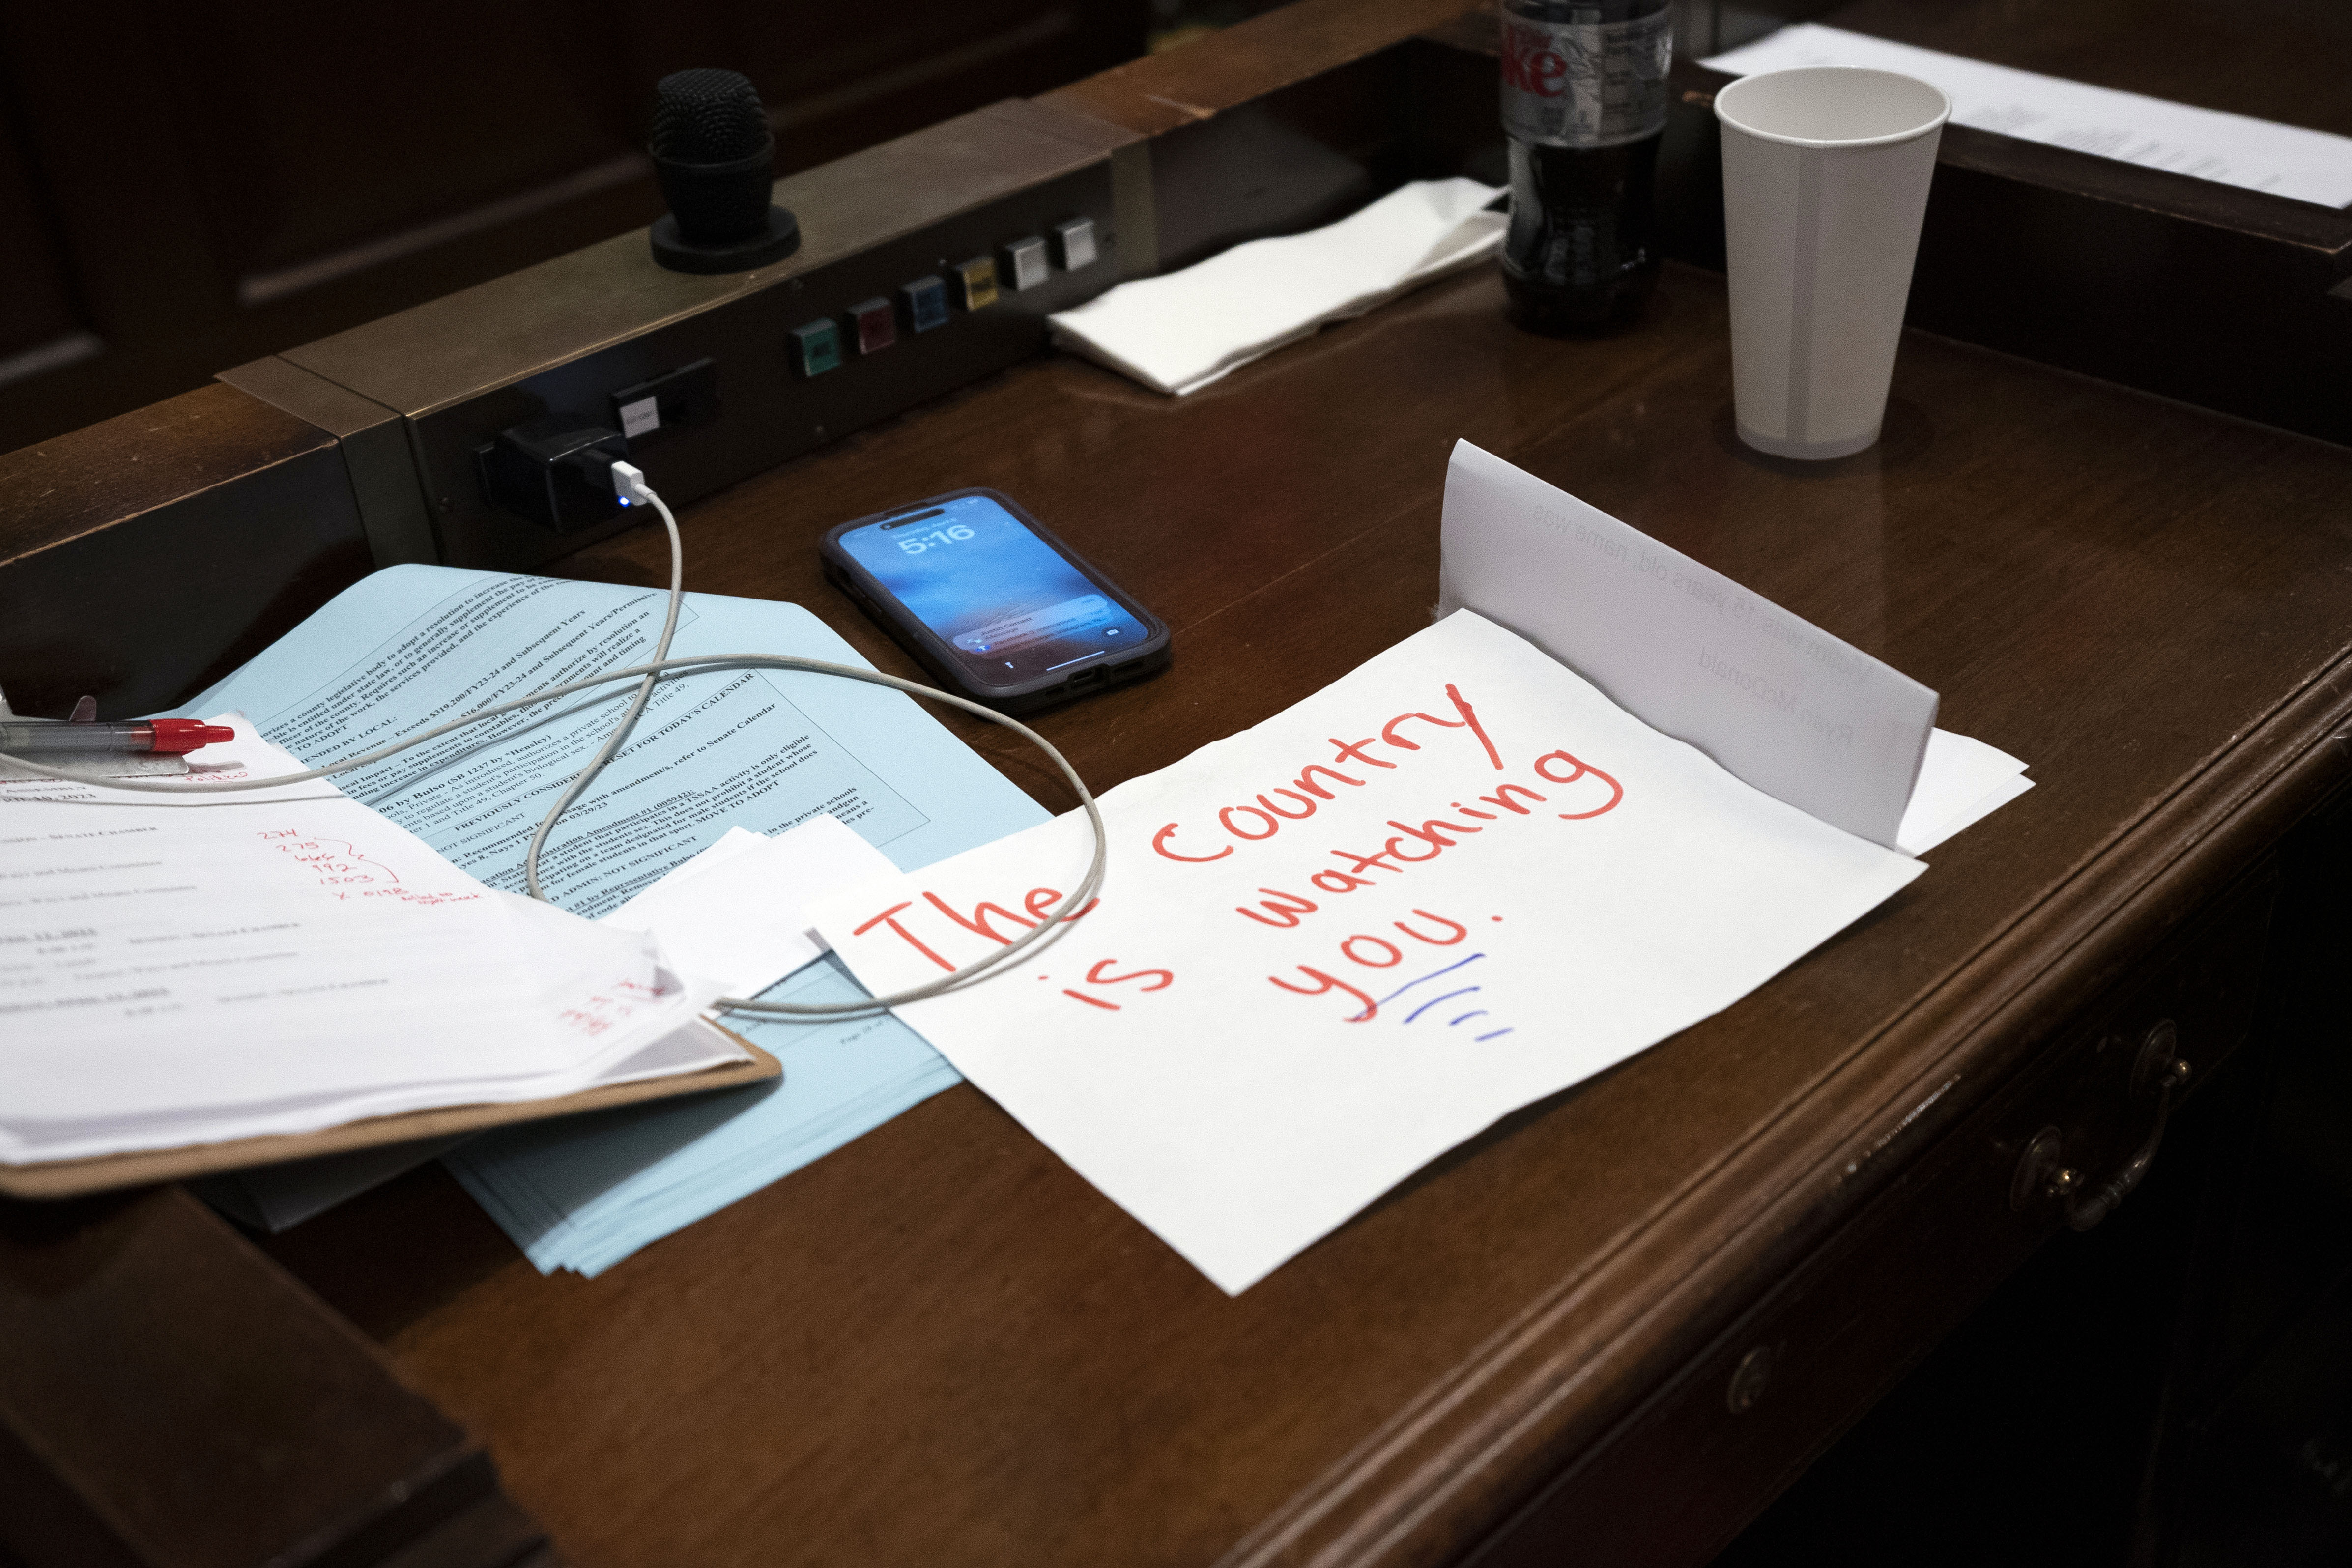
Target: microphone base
(777,241)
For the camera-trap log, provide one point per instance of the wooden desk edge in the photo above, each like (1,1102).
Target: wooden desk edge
(1550,1387)
(53,1179)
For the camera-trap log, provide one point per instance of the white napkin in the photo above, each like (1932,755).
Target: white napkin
(1178,333)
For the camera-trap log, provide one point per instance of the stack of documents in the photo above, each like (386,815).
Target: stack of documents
(183,970)
(1317,962)
(748,754)
(583,1196)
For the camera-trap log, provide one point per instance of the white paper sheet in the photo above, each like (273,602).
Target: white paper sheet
(737,910)
(1338,944)
(1960,782)
(178,969)
(1180,331)
(2207,144)
(1799,714)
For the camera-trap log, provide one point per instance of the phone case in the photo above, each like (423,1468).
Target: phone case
(1151,654)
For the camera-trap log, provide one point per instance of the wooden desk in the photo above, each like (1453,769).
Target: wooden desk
(1613,1327)
(939,1346)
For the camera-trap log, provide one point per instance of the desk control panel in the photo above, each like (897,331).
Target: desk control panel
(927,262)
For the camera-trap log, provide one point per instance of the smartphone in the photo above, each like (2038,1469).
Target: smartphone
(993,604)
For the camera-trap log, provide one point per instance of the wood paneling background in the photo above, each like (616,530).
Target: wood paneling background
(187,184)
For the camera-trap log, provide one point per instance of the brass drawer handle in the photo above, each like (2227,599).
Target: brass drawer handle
(2042,1172)
(1748,1380)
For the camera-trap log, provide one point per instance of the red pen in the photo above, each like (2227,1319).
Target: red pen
(22,737)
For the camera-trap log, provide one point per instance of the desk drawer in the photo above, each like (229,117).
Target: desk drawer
(1674,1481)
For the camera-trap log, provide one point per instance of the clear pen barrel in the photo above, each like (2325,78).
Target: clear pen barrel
(54,739)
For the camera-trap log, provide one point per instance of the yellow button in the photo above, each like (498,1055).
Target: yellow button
(977,280)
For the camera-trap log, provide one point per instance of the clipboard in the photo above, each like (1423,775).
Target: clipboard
(142,1168)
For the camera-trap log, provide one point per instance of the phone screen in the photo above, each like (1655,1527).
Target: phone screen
(1005,601)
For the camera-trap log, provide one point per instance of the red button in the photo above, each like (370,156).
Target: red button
(877,325)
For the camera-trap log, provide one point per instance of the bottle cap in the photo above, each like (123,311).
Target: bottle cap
(178,735)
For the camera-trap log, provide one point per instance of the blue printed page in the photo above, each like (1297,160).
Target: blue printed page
(414,645)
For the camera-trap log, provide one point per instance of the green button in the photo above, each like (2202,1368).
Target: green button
(816,348)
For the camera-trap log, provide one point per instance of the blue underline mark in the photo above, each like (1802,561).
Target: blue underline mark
(1431,975)
(1434,1000)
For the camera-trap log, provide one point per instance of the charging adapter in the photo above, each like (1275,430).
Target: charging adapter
(556,470)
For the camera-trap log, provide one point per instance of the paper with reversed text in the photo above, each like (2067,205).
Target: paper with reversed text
(1334,946)
(1800,715)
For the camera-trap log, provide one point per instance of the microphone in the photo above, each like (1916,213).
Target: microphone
(715,160)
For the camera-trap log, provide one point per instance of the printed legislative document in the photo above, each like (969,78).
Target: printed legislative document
(1336,945)
(180,969)
(2129,127)
(412,646)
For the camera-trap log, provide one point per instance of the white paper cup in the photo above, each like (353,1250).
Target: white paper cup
(1825,176)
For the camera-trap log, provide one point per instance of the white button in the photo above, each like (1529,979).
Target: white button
(1076,240)
(638,417)
(1025,263)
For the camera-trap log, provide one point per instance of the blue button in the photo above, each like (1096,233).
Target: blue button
(816,348)
(927,303)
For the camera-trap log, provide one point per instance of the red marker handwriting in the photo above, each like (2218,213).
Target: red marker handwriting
(1266,813)
(1040,901)
(1616,790)
(1375,952)
(1100,975)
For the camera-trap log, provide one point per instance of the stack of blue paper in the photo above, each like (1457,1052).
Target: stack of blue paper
(585,1193)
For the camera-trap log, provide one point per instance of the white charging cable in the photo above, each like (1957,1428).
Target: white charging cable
(629,483)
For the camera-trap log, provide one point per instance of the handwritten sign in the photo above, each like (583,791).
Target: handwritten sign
(1332,946)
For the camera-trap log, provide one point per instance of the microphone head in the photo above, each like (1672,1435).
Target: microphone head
(708,116)
(717,164)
